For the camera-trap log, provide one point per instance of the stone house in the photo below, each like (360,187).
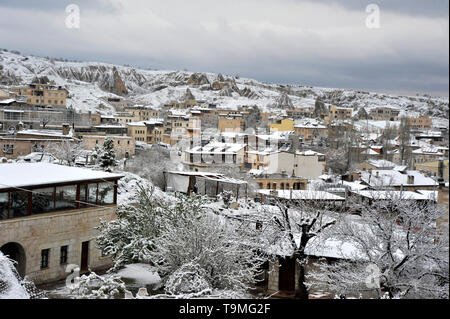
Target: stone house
(124,146)
(48,217)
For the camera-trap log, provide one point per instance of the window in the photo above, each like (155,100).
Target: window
(88,194)
(8,148)
(66,197)
(19,204)
(105,193)
(45,254)
(4,205)
(42,200)
(63,255)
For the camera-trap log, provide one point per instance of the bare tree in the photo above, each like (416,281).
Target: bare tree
(401,250)
(404,140)
(295,223)
(389,133)
(67,151)
(151,164)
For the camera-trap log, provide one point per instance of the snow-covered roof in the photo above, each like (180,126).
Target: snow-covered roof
(309,153)
(302,194)
(404,195)
(36,174)
(49,133)
(396,178)
(106,126)
(37,157)
(255,172)
(427,151)
(266,151)
(217,148)
(7,101)
(309,123)
(331,248)
(370,151)
(430,134)
(354,186)
(381,163)
(217,177)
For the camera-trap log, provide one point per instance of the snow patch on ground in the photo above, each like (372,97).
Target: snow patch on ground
(142,274)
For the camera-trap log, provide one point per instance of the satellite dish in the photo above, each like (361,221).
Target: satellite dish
(11,130)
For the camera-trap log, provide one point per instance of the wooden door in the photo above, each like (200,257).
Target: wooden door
(84,256)
(286,281)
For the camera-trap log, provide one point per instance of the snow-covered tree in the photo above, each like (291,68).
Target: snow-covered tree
(151,163)
(107,156)
(185,241)
(297,222)
(130,237)
(253,119)
(14,287)
(401,250)
(218,253)
(67,151)
(93,286)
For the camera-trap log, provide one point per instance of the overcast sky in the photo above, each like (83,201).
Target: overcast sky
(321,43)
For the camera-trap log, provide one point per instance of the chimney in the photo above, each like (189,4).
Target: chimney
(65,128)
(441,169)
(410,179)
(377,174)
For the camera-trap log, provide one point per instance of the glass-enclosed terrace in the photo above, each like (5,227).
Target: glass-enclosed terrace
(37,188)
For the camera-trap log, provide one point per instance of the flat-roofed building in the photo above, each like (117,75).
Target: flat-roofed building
(339,113)
(231,123)
(124,146)
(310,129)
(49,214)
(44,94)
(215,154)
(420,123)
(436,168)
(279,181)
(384,113)
(150,132)
(282,125)
(25,142)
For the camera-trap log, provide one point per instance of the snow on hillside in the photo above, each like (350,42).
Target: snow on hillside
(89,82)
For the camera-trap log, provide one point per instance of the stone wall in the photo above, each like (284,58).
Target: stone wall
(53,230)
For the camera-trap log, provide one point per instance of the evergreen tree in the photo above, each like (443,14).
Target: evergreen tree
(107,156)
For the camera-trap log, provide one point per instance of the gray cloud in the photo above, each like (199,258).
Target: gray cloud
(322,43)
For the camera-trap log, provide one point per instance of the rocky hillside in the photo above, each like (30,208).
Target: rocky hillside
(88,82)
